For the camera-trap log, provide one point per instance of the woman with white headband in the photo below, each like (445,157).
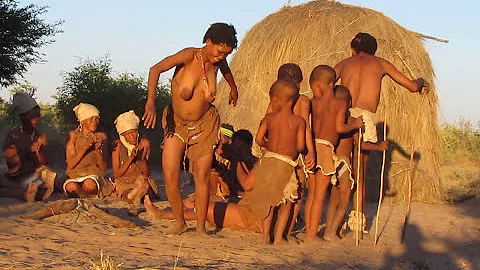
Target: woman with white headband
(86,152)
(130,160)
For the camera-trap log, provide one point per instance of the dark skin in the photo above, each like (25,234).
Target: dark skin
(119,170)
(328,122)
(286,136)
(362,74)
(193,91)
(29,122)
(98,144)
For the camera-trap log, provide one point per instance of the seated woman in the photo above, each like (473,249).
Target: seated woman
(86,152)
(24,150)
(130,161)
(220,213)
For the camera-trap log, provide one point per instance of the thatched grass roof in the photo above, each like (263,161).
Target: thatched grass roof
(319,32)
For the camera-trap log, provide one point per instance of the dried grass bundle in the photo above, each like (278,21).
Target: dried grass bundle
(319,32)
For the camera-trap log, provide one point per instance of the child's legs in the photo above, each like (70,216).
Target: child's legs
(322,182)
(332,208)
(308,204)
(298,204)
(266,225)
(173,149)
(344,190)
(76,188)
(343,195)
(282,220)
(90,186)
(201,174)
(294,214)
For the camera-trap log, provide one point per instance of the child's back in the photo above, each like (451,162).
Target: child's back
(275,181)
(283,129)
(324,111)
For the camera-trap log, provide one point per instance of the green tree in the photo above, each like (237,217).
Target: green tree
(22,33)
(92,82)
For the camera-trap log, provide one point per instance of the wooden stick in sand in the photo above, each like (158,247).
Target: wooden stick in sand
(357,233)
(410,165)
(54,208)
(382,176)
(66,206)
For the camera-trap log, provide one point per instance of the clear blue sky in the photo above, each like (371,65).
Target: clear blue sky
(137,34)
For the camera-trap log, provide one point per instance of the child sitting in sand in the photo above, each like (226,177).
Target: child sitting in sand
(243,161)
(24,150)
(275,172)
(219,184)
(86,152)
(328,121)
(129,162)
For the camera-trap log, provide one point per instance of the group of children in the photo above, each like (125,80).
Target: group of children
(339,115)
(306,143)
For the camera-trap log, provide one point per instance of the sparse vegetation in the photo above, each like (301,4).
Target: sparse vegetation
(106,263)
(460,160)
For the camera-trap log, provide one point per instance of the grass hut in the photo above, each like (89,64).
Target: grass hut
(319,32)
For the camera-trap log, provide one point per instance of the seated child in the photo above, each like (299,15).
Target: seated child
(24,150)
(219,185)
(130,165)
(86,152)
(328,121)
(239,153)
(275,180)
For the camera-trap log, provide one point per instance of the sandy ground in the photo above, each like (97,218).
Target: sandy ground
(437,237)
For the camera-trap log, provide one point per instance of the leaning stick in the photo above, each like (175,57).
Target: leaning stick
(382,176)
(410,165)
(66,206)
(357,233)
(55,208)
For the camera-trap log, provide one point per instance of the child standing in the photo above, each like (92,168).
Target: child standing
(328,121)
(276,169)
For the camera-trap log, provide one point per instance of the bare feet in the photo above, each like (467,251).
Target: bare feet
(152,211)
(137,199)
(330,238)
(48,178)
(177,230)
(133,193)
(189,203)
(312,240)
(266,239)
(30,192)
(293,239)
(280,241)
(201,231)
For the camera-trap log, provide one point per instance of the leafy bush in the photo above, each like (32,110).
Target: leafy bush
(93,82)
(461,139)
